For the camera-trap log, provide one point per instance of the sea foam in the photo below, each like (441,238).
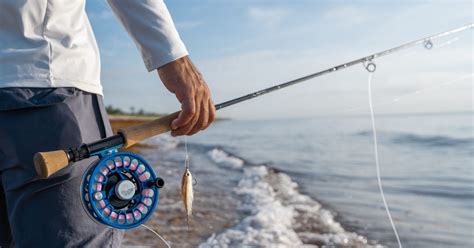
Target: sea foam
(278,215)
(223,158)
(163,141)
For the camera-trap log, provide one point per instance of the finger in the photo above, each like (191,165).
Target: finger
(212,112)
(201,124)
(188,110)
(185,129)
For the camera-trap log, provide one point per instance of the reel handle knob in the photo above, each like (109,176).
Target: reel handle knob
(47,163)
(159,182)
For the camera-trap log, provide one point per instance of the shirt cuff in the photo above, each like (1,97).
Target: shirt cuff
(155,62)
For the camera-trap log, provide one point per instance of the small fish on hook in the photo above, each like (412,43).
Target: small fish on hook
(187,193)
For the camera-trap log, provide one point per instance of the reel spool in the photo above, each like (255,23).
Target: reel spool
(121,190)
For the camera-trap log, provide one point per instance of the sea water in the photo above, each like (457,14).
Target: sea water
(312,182)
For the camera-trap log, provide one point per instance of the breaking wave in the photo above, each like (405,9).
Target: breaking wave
(277,214)
(223,158)
(163,141)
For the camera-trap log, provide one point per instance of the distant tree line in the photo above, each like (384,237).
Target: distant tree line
(111,110)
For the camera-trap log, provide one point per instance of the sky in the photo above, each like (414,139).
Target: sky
(243,46)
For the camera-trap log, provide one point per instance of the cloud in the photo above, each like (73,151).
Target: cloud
(269,17)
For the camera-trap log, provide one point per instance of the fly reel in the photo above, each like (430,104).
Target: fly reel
(121,190)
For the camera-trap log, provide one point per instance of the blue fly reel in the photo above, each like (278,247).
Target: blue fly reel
(121,190)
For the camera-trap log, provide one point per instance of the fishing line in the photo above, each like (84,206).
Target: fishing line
(379,179)
(186,158)
(419,91)
(157,234)
(447,43)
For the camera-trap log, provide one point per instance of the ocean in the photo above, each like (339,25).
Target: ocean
(312,182)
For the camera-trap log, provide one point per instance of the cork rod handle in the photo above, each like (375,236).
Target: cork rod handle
(137,133)
(47,163)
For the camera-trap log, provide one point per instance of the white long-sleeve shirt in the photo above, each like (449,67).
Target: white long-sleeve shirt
(50,43)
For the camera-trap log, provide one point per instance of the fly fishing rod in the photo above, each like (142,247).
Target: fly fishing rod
(121,189)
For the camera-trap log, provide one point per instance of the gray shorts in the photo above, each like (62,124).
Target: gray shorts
(48,212)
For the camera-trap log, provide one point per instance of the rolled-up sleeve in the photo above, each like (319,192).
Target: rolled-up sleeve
(150,25)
